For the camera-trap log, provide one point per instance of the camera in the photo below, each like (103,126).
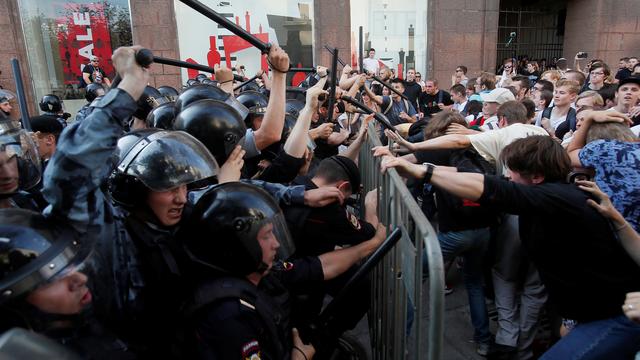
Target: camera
(582,55)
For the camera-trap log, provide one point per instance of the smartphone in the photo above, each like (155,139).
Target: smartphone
(582,55)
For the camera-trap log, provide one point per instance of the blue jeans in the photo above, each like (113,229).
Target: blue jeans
(614,338)
(472,246)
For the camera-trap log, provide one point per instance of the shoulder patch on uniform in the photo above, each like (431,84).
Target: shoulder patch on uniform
(251,350)
(353,220)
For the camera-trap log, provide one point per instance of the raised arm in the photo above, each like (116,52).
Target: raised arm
(82,160)
(297,142)
(271,129)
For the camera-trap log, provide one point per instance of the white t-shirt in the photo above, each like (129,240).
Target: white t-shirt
(636,130)
(371,65)
(490,124)
(556,121)
(490,143)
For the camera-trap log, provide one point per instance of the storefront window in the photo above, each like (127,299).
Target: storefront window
(397,30)
(61,36)
(288,23)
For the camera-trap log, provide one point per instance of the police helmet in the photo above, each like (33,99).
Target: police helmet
(93,90)
(51,104)
(227,226)
(158,160)
(293,107)
(163,116)
(192,82)
(201,77)
(216,124)
(256,103)
(169,92)
(201,92)
(15,143)
(35,251)
(149,100)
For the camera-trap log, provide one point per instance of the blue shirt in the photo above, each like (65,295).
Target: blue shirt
(396,108)
(617,165)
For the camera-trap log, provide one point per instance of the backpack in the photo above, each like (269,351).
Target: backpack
(568,124)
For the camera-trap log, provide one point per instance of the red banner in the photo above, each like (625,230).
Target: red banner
(83,31)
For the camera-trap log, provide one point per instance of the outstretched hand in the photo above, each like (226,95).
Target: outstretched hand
(231,169)
(403,167)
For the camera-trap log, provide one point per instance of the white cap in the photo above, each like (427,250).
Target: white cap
(498,95)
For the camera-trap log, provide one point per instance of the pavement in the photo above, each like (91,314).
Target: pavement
(458,332)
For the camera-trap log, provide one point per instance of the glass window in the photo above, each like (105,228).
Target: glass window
(61,37)
(288,23)
(397,30)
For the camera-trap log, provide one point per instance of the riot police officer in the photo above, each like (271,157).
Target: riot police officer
(93,91)
(44,283)
(19,167)
(236,240)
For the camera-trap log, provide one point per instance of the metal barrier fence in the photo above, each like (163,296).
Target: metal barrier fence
(396,319)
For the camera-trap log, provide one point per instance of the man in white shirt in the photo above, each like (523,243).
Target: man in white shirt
(371,64)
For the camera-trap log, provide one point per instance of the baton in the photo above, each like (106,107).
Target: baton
(378,116)
(144,58)
(385,84)
(224,22)
(332,90)
(22,100)
(188,65)
(246,82)
(331,52)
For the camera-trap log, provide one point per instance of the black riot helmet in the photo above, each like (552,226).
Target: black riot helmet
(163,116)
(158,160)
(19,159)
(227,226)
(192,82)
(169,92)
(293,107)
(149,100)
(201,77)
(35,251)
(216,124)
(256,103)
(93,90)
(201,92)
(51,104)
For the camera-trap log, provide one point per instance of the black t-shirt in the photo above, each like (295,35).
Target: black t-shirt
(429,103)
(455,214)
(96,74)
(580,261)
(412,90)
(623,74)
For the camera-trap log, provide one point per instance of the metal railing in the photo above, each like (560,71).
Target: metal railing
(396,317)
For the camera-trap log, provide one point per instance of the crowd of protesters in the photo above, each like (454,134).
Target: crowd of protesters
(211,221)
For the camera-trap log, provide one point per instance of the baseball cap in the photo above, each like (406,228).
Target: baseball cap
(498,95)
(630,80)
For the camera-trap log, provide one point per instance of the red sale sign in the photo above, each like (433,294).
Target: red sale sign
(83,31)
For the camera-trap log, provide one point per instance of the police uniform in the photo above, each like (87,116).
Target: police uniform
(83,160)
(234,319)
(317,231)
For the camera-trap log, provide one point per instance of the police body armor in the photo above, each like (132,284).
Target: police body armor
(270,300)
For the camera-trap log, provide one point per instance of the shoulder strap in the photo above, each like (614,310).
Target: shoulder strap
(440,96)
(389,106)
(571,118)
(546,113)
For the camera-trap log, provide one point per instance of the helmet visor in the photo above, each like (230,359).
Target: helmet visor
(15,143)
(165,160)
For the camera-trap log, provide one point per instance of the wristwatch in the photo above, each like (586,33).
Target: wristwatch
(429,167)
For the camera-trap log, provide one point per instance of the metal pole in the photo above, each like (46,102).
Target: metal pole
(385,84)
(360,50)
(22,98)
